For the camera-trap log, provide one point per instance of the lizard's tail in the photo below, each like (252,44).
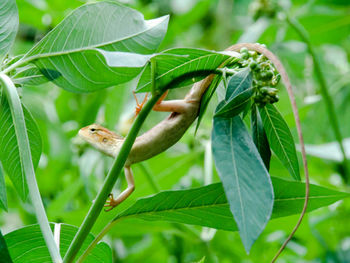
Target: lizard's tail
(199,88)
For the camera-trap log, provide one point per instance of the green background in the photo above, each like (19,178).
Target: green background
(69,173)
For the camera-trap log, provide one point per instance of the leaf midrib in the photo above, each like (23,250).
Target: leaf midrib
(226,204)
(228,106)
(237,182)
(92,47)
(278,138)
(239,85)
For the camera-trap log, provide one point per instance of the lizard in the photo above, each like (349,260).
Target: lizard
(167,132)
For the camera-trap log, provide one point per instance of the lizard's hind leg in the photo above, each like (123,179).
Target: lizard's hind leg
(111,202)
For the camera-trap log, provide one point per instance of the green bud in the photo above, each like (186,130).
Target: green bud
(261,59)
(245,55)
(244,50)
(259,84)
(266,99)
(264,90)
(253,65)
(269,74)
(276,79)
(272,91)
(253,54)
(262,75)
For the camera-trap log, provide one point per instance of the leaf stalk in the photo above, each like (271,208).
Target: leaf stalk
(26,160)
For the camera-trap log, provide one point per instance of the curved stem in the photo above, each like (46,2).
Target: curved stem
(109,182)
(26,160)
(332,116)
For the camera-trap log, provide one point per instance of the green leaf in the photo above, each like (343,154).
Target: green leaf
(181,66)
(68,55)
(4,253)
(29,75)
(3,198)
(9,145)
(8,24)
(259,137)
(27,245)
(280,139)
(238,94)
(245,179)
(208,206)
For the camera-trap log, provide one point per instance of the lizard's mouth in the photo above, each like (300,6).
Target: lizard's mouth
(82,134)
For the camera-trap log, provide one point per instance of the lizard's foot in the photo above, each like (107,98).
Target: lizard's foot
(139,105)
(111,203)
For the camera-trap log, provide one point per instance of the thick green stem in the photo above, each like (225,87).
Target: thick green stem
(332,116)
(109,182)
(26,160)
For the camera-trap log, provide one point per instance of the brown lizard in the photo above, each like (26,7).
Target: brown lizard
(167,132)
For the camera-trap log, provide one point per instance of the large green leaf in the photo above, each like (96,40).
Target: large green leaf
(208,206)
(244,176)
(181,66)
(8,25)
(9,154)
(238,94)
(68,55)
(27,245)
(3,197)
(280,139)
(259,137)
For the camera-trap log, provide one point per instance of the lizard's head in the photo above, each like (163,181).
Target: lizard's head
(101,138)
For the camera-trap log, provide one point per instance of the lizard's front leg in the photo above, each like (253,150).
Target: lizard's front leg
(178,106)
(111,203)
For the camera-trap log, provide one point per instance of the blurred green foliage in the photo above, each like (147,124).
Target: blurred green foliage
(70,174)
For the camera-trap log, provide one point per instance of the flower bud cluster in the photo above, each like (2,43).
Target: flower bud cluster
(265,77)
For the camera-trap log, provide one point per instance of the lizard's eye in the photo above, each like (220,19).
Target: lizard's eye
(104,139)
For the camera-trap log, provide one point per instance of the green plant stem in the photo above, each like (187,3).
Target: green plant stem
(109,182)
(26,160)
(97,239)
(332,116)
